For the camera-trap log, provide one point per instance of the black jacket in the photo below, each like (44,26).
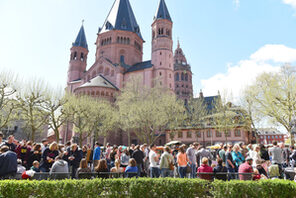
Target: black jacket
(77,154)
(138,155)
(8,163)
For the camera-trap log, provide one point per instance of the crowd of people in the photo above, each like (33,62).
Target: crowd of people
(237,161)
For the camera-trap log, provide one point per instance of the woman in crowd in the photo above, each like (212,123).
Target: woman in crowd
(205,168)
(182,161)
(83,168)
(102,168)
(117,168)
(132,166)
(255,155)
(35,155)
(124,158)
(237,156)
(49,156)
(23,153)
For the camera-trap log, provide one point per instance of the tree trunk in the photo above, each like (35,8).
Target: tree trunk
(57,135)
(128,137)
(80,140)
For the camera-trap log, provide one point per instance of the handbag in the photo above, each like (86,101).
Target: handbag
(171,164)
(188,168)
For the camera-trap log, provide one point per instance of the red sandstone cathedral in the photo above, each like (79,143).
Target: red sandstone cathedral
(119,55)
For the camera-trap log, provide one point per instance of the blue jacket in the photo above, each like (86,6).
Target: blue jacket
(238,158)
(97,153)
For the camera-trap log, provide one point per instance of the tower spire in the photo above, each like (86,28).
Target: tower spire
(81,38)
(162,11)
(121,17)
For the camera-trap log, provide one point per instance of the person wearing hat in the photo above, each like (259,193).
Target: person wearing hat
(244,168)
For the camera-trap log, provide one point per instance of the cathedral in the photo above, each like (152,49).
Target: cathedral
(119,55)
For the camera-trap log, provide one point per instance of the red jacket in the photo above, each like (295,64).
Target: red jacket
(204,168)
(245,168)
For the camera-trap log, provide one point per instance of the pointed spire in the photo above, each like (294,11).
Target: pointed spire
(81,39)
(162,11)
(121,17)
(178,46)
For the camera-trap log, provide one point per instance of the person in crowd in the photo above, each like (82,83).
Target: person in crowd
(237,156)
(131,149)
(35,166)
(124,158)
(191,154)
(107,154)
(132,166)
(48,157)
(102,169)
(293,156)
(30,145)
(220,171)
(182,161)
(10,143)
(89,155)
(8,162)
(260,168)
(230,164)
(153,160)
(205,168)
(23,153)
(243,149)
(255,155)
(165,160)
(264,156)
(257,175)
(286,155)
(35,154)
(117,168)
(246,167)
(73,157)
(20,167)
(83,168)
(44,145)
(113,155)
(276,156)
(203,153)
(222,154)
(1,139)
(139,156)
(84,151)
(59,165)
(97,154)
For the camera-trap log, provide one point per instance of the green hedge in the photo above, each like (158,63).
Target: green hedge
(146,188)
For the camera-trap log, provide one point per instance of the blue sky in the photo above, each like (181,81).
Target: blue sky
(227,42)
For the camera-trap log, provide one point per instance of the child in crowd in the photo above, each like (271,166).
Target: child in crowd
(35,166)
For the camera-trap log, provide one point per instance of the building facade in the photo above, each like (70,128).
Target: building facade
(268,135)
(119,56)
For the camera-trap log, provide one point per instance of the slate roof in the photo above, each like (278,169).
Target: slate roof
(99,81)
(140,66)
(210,102)
(121,17)
(162,11)
(80,39)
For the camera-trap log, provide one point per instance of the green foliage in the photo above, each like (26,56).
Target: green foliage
(147,188)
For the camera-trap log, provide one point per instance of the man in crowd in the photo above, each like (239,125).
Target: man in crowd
(138,155)
(222,153)
(96,154)
(44,145)
(11,146)
(246,168)
(277,156)
(230,165)
(286,155)
(204,153)
(154,159)
(8,162)
(191,154)
(74,156)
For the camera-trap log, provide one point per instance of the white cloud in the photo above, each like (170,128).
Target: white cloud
(236,3)
(268,58)
(290,2)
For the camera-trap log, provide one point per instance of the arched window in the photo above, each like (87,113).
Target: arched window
(186,77)
(101,69)
(81,57)
(97,93)
(92,93)
(177,77)
(124,40)
(75,56)
(107,71)
(182,76)
(118,40)
(160,73)
(161,31)
(128,41)
(122,59)
(102,93)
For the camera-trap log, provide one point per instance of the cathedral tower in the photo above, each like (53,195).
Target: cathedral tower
(78,57)
(120,39)
(162,43)
(183,76)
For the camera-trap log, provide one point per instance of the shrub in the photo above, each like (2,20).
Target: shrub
(146,188)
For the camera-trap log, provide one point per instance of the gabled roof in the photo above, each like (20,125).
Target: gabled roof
(121,17)
(162,11)
(81,39)
(140,66)
(99,81)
